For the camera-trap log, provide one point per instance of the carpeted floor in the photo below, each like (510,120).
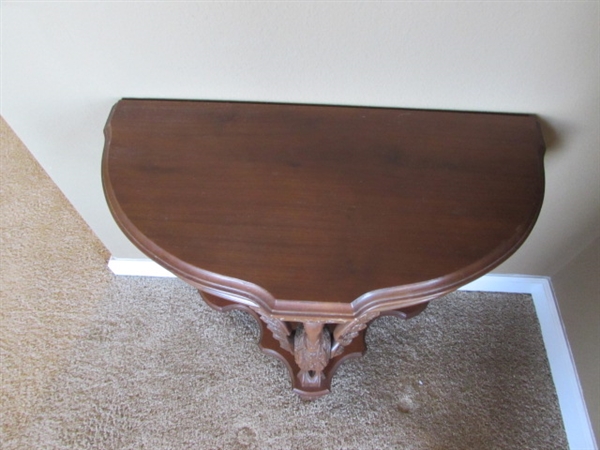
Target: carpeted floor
(94,361)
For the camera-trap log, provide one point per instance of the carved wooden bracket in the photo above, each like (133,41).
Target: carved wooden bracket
(313,345)
(312,352)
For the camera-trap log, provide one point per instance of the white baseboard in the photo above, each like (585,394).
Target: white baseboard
(137,268)
(566,381)
(570,396)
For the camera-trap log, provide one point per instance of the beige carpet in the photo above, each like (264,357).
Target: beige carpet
(94,361)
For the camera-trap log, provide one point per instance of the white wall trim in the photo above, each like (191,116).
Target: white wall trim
(566,381)
(576,419)
(137,268)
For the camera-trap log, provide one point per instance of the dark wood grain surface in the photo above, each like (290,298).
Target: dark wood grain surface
(323,203)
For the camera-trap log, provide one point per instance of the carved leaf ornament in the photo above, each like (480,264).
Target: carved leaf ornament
(281,331)
(344,334)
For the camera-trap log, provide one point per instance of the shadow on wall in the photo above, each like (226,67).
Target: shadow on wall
(551,136)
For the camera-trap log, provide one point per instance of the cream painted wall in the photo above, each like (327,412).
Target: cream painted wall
(64,64)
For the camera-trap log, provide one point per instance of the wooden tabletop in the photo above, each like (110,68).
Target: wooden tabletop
(322,203)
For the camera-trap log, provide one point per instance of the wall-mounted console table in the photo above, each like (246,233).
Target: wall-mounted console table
(319,219)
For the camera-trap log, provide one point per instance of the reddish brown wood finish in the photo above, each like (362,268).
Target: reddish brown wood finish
(322,214)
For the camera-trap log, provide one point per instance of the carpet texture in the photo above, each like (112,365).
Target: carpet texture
(94,361)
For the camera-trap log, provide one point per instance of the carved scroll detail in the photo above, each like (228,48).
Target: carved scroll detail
(281,331)
(345,333)
(312,350)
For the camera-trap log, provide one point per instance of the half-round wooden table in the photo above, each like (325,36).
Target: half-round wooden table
(319,219)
